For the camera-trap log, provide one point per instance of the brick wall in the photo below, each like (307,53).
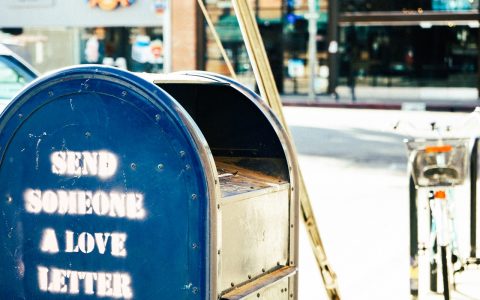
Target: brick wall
(184,35)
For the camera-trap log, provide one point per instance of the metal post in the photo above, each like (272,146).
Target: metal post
(268,90)
(77,56)
(478,61)
(413,238)
(333,11)
(312,47)
(473,199)
(167,38)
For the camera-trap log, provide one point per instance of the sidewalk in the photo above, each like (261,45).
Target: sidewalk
(355,168)
(394,98)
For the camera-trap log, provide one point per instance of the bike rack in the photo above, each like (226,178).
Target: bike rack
(413,237)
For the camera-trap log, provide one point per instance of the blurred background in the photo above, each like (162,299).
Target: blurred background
(361,47)
(390,54)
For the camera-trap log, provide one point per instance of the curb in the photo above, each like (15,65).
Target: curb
(384,106)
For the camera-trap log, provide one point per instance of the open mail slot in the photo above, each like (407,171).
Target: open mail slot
(145,186)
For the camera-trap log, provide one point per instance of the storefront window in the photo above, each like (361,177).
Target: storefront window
(137,49)
(409,56)
(44,48)
(413,5)
(284,30)
(228,29)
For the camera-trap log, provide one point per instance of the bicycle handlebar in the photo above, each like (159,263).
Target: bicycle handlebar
(470,127)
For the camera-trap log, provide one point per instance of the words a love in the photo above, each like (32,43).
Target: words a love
(84,242)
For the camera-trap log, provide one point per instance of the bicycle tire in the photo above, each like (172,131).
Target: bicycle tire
(446,286)
(433,276)
(434,269)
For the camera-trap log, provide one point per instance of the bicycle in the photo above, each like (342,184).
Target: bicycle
(439,164)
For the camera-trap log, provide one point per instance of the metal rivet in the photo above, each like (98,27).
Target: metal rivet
(278,263)
(258,295)
(194,196)
(219,251)
(20,116)
(9,199)
(133,166)
(291,262)
(291,225)
(291,295)
(249,276)
(50,93)
(194,290)
(88,134)
(160,167)
(182,153)
(124,93)
(232,284)
(263,270)
(157,117)
(218,206)
(194,246)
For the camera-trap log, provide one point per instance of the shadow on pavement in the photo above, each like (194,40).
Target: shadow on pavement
(362,147)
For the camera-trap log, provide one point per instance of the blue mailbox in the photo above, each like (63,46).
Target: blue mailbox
(138,186)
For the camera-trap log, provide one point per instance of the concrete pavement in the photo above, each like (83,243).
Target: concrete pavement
(394,98)
(354,165)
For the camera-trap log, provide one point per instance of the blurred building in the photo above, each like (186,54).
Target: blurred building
(372,43)
(52,34)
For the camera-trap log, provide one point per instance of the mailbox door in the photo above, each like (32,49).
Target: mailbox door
(258,211)
(102,192)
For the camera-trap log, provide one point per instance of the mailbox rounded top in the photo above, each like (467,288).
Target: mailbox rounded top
(106,181)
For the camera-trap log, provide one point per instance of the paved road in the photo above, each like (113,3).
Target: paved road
(354,165)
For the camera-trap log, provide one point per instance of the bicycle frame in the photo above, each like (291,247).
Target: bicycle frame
(445,171)
(441,219)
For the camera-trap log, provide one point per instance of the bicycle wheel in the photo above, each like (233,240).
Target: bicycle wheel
(434,269)
(445,275)
(433,260)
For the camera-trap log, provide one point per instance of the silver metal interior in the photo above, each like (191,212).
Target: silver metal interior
(255,214)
